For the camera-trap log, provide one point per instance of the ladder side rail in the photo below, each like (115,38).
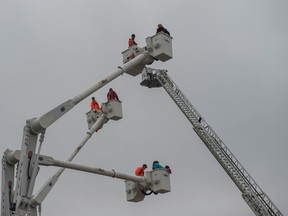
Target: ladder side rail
(252,200)
(176,90)
(185,110)
(245,175)
(213,134)
(225,162)
(171,91)
(253,185)
(165,80)
(205,126)
(254,204)
(193,120)
(180,99)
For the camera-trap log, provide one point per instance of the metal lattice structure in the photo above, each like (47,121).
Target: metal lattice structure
(257,200)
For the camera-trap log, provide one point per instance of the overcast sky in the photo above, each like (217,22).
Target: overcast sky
(230,60)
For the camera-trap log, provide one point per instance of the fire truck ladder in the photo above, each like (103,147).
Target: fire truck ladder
(257,200)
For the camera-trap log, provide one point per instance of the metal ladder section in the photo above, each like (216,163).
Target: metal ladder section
(257,200)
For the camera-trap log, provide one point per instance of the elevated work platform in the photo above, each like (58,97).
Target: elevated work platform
(159,47)
(158,181)
(149,78)
(112,110)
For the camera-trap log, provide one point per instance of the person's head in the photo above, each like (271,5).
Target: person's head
(133,36)
(155,162)
(144,166)
(167,167)
(110,89)
(160,26)
(93,98)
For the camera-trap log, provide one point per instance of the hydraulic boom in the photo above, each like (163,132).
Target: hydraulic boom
(257,200)
(17,193)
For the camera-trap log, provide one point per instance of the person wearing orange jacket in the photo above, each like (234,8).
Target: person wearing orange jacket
(140,171)
(94,105)
(131,41)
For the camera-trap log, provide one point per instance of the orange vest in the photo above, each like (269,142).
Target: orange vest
(139,171)
(95,105)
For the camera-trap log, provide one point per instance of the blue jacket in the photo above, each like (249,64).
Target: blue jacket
(156,165)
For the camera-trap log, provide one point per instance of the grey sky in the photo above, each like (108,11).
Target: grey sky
(230,60)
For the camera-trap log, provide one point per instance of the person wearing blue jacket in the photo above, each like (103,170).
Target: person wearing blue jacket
(156,165)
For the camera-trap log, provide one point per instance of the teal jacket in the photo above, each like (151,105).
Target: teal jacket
(156,165)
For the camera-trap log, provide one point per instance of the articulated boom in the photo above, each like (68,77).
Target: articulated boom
(17,192)
(257,200)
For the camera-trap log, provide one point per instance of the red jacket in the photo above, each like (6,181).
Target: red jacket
(139,171)
(112,96)
(169,170)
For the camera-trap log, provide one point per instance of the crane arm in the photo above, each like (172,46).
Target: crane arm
(49,161)
(28,167)
(39,124)
(38,198)
(257,200)
(158,47)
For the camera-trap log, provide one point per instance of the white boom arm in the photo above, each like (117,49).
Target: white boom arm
(49,161)
(40,124)
(43,192)
(18,201)
(155,181)
(28,159)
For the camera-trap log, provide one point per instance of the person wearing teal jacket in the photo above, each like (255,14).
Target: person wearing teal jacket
(156,165)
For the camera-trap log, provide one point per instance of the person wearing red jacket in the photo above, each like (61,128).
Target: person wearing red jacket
(140,171)
(112,95)
(168,169)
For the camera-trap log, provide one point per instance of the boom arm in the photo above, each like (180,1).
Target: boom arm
(257,200)
(28,163)
(40,124)
(38,198)
(16,198)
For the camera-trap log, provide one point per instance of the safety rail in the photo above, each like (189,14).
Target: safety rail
(257,200)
